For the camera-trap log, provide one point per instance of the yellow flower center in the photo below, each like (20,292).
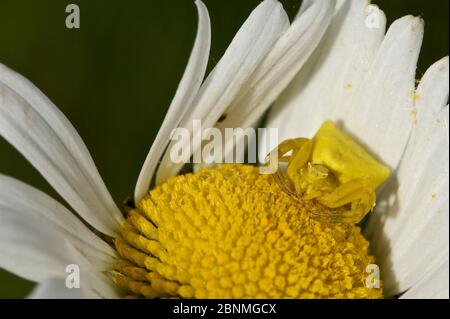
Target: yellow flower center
(231,232)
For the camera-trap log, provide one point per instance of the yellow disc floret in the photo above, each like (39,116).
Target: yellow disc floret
(231,232)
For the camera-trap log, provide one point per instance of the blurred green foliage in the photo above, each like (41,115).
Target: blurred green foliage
(115,76)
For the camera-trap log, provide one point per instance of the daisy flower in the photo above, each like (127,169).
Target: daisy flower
(230,231)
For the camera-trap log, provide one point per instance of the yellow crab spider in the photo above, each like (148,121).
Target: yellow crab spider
(332,170)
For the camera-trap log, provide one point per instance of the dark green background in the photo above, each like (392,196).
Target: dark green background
(114,78)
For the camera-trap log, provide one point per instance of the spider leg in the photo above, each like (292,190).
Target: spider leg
(357,193)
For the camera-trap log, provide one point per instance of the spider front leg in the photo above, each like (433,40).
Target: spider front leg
(357,193)
(301,152)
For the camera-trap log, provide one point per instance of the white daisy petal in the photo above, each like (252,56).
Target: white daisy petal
(412,221)
(325,86)
(379,114)
(304,6)
(182,102)
(433,286)
(432,92)
(250,45)
(384,90)
(35,251)
(279,67)
(55,288)
(92,279)
(21,199)
(422,242)
(428,115)
(31,251)
(34,125)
